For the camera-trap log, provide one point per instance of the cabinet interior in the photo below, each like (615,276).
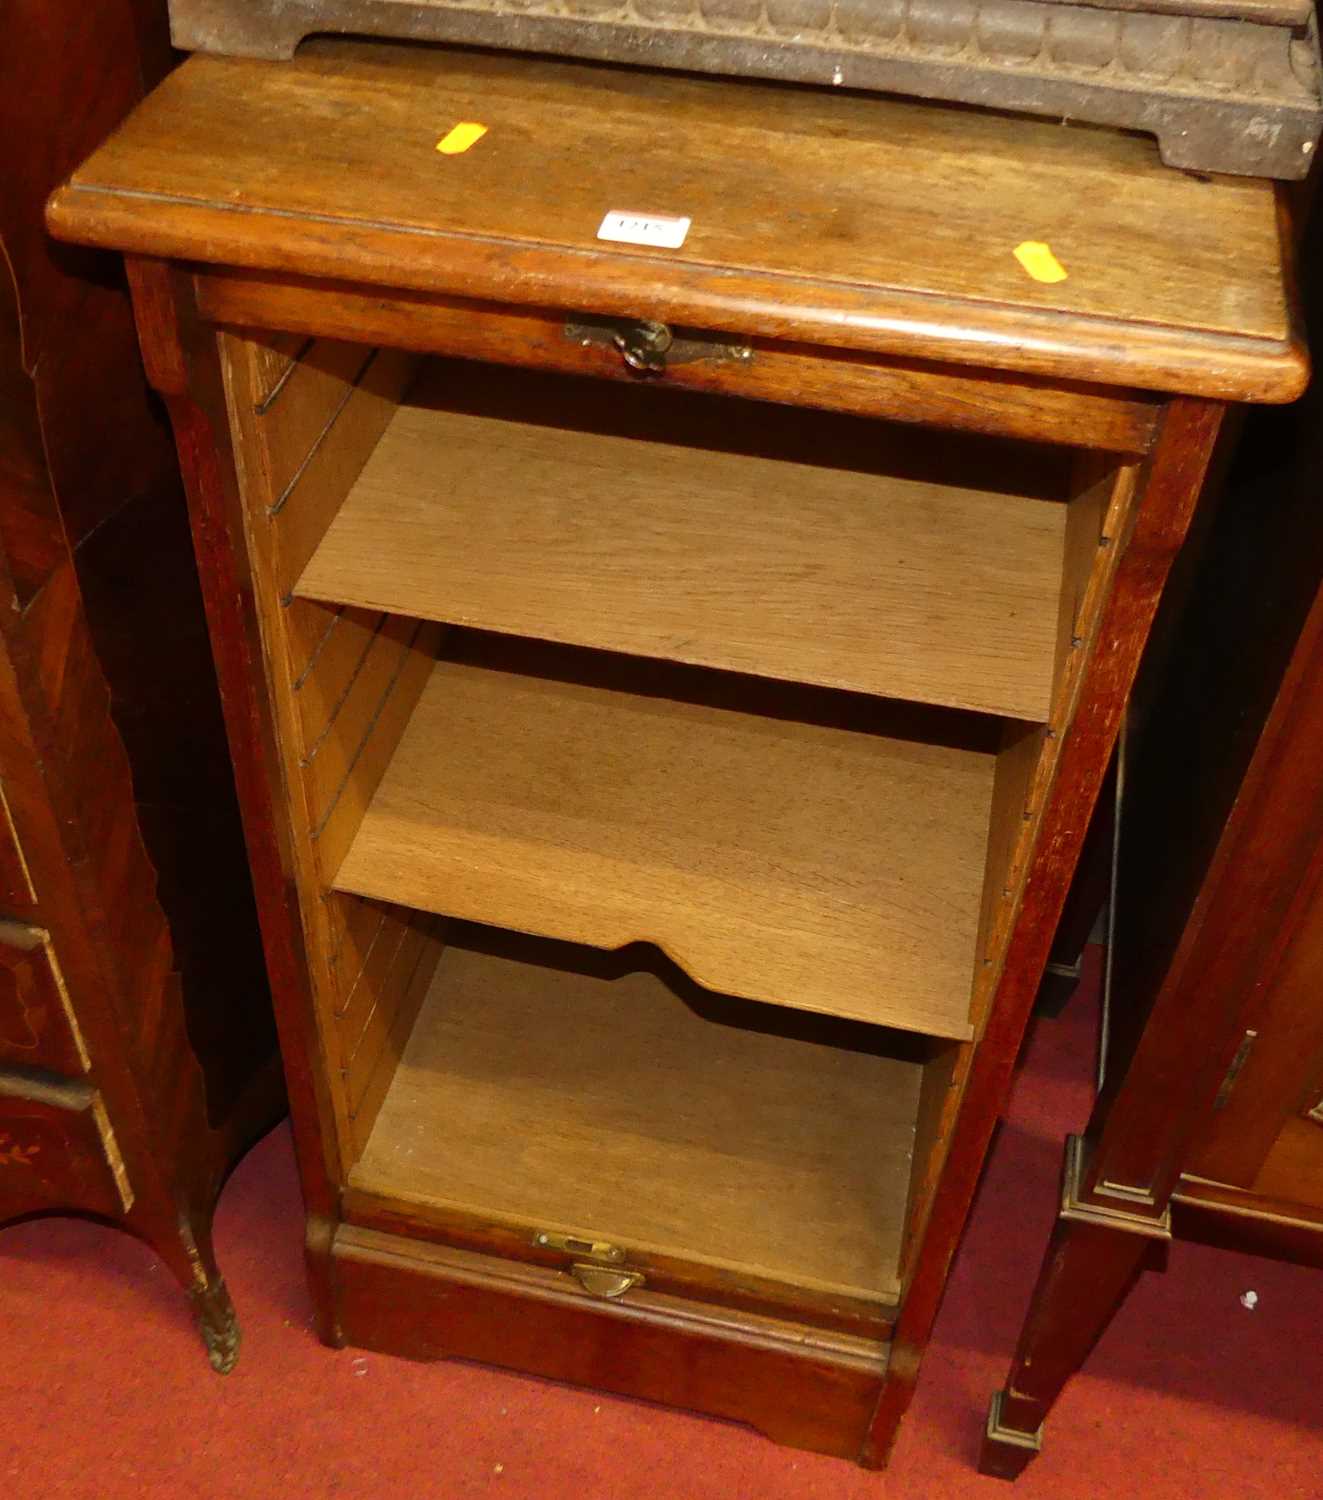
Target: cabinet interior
(662,770)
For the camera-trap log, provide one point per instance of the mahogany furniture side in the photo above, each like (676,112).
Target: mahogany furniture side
(137,1052)
(1209,1123)
(667,687)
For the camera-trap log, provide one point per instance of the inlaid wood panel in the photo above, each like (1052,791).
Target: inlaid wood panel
(18,896)
(64,728)
(57,1150)
(38,1028)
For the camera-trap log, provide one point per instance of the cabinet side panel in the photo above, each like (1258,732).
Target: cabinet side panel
(1101,512)
(1144,521)
(1100,520)
(342,685)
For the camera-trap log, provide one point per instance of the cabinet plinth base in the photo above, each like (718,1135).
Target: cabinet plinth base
(798,1386)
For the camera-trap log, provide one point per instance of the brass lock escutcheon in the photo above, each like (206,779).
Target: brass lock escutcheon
(649,347)
(603,1275)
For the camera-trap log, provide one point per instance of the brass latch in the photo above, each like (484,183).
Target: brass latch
(649,347)
(603,1275)
(545,1239)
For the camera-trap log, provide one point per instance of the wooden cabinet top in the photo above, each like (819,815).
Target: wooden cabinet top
(844,220)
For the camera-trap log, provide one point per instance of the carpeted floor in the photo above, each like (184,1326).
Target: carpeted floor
(105,1393)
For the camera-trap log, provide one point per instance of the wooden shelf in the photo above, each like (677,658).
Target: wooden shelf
(655,523)
(831,861)
(615,1109)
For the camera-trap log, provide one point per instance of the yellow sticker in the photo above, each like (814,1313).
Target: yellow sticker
(1038,260)
(460,138)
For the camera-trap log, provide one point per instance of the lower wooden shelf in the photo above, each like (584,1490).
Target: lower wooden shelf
(552,1088)
(812,849)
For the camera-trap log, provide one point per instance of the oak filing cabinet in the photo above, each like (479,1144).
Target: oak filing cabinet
(668,687)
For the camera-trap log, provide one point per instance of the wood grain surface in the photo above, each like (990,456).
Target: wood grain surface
(426,1302)
(870,385)
(824,851)
(582,512)
(1116,625)
(613,1109)
(892,225)
(303,444)
(130,955)
(825,865)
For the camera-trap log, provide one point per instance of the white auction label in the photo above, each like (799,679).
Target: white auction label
(644,229)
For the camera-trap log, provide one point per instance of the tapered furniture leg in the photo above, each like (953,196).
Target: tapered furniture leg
(1093,1259)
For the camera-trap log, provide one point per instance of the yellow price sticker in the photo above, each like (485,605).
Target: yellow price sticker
(460,137)
(1038,260)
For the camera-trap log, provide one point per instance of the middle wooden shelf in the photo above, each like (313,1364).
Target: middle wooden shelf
(795,845)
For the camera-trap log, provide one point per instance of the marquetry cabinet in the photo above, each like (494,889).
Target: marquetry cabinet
(667,686)
(138,1054)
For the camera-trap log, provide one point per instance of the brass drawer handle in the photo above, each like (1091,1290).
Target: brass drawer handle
(605,1281)
(649,347)
(643,346)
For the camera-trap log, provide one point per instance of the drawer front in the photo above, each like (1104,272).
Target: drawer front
(584,343)
(37,1025)
(57,1150)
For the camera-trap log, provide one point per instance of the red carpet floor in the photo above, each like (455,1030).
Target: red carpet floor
(105,1393)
